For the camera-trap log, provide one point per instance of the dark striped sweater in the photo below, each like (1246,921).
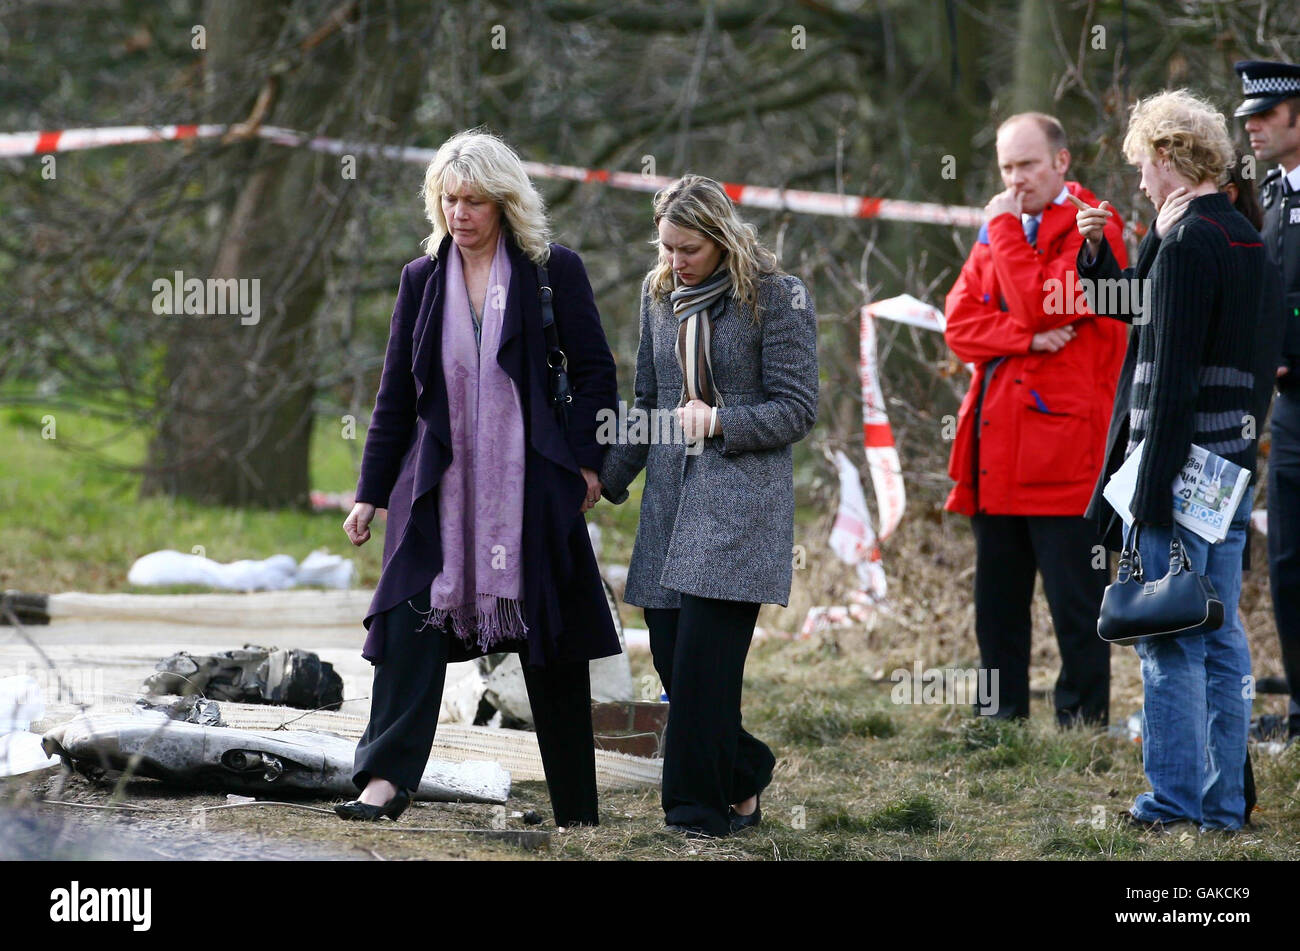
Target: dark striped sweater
(1194,378)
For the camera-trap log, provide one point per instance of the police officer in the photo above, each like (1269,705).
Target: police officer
(1271,109)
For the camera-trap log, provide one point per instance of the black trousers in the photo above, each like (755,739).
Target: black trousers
(1009,550)
(710,761)
(1284,539)
(407,693)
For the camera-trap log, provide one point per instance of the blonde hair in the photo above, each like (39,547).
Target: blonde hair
(700,204)
(1184,129)
(488,165)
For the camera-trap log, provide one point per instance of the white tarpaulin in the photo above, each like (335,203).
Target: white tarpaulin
(270,574)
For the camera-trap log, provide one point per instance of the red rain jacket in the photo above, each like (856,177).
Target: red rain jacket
(1042,417)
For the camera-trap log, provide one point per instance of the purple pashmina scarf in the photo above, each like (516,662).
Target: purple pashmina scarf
(481,495)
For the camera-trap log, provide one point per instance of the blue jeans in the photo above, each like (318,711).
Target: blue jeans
(1197,692)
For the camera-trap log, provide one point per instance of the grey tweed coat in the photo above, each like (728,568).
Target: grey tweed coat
(720,523)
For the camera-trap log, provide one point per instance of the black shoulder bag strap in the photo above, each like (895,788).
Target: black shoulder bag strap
(557,364)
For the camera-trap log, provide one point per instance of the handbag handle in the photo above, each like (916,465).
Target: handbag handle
(1130,558)
(1178,560)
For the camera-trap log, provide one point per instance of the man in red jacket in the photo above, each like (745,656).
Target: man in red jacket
(1031,431)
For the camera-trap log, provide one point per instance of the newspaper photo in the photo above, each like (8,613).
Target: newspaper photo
(1206,492)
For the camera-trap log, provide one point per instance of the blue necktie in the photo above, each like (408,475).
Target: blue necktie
(1031,231)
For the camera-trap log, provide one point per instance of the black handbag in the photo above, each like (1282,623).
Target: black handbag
(1182,602)
(558,389)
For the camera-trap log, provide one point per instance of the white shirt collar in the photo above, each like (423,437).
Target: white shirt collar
(1292,177)
(1058,200)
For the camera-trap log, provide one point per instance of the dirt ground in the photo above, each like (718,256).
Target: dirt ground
(170,824)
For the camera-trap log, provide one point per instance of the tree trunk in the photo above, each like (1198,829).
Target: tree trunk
(1039,62)
(236,420)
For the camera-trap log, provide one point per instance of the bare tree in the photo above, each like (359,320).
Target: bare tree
(891,98)
(239,399)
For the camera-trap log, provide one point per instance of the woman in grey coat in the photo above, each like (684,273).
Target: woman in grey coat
(727,369)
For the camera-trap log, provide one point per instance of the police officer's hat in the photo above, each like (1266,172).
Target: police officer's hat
(1265,84)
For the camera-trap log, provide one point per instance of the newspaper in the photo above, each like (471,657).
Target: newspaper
(1206,492)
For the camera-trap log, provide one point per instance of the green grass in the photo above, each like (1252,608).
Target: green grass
(76,525)
(917,813)
(820,723)
(1084,841)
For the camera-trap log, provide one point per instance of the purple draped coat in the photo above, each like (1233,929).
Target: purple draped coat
(408,448)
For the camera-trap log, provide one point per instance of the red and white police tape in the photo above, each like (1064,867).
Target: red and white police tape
(853,539)
(755,196)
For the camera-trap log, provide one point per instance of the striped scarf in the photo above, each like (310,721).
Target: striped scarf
(695,308)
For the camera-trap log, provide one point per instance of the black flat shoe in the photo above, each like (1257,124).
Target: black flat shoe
(356,809)
(692,832)
(750,821)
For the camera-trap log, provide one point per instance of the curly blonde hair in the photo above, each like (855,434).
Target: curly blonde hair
(701,205)
(488,165)
(1184,129)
